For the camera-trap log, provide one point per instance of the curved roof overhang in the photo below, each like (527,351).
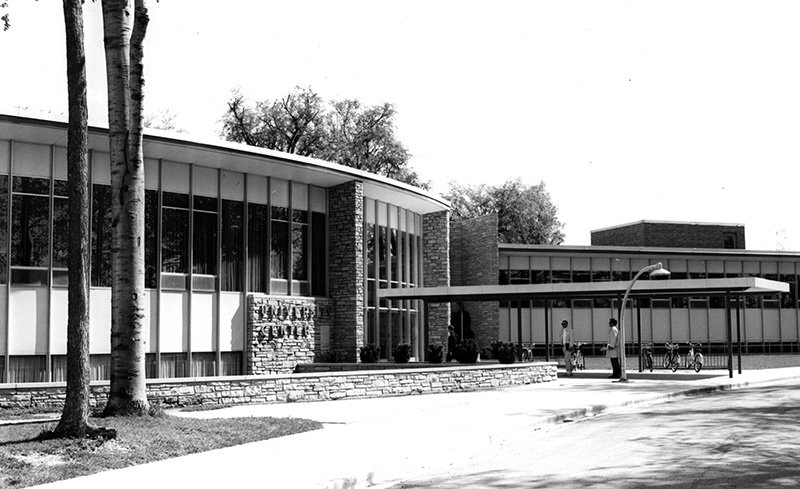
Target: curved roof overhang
(641,288)
(234,157)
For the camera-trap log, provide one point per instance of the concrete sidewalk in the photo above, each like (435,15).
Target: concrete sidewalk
(377,442)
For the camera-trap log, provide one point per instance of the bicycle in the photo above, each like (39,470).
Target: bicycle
(525,352)
(576,357)
(672,358)
(694,359)
(646,356)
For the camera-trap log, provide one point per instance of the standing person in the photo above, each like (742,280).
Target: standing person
(612,349)
(452,339)
(567,343)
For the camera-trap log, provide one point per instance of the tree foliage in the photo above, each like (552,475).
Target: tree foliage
(344,132)
(525,213)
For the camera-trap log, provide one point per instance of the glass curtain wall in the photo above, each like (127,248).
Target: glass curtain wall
(392,259)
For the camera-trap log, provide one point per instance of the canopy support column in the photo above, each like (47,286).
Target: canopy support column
(728,332)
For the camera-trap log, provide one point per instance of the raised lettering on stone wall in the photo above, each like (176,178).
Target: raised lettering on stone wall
(294,319)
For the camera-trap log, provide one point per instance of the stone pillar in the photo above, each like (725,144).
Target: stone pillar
(474,248)
(346,266)
(436,272)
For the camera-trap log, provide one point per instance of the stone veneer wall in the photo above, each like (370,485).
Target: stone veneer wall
(283,331)
(474,247)
(346,267)
(436,272)
(296,387)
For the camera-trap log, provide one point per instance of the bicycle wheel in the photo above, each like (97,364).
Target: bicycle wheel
(581,362)
(648,362)
(698,363)
(667,360)
(674,364)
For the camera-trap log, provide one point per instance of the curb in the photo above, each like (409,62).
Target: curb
(594,410)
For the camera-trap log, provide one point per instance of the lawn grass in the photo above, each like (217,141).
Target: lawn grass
(26,461)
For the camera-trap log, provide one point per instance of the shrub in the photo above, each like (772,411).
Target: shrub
(467,351)
(402,353)
(505,352)
(435,353)
(333,356)
(370,353)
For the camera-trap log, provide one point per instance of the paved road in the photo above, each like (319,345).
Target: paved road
(744,438)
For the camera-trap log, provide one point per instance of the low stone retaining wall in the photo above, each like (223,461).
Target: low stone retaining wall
(298,387)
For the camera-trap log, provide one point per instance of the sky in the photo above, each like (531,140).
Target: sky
(626,110)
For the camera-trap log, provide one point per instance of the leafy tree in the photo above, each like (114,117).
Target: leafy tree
(525,213)
(344,132)
(124,35)
(164,120)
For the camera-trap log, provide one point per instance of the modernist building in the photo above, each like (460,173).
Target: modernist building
(688,251)
(255,260)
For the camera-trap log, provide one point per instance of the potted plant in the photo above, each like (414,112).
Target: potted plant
(435,353)
(402,353)
(504,352)
(467,351)
(370,353)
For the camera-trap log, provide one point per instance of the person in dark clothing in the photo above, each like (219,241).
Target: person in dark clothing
(452,340)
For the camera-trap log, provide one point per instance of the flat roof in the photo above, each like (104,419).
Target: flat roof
(648,221)
(645,287)
(644,250)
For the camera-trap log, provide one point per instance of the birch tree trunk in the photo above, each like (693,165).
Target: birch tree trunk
(75,416)
(124,34)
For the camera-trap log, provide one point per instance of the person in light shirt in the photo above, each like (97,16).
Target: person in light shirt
(567,343)
(612,349)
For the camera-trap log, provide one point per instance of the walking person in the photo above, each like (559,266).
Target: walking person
(612,349)
(567,343)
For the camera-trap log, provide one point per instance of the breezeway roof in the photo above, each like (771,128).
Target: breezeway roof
(648,288)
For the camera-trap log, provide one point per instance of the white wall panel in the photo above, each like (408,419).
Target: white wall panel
(176,177)
(680,324)
(299,196)
(60,163)
(32,160)
(231,321)
(174,325)
(661,331)
(100,321)
(232,186)
(280,192)
(716,324)
(151,174)
(518,262)
(647,326)
(752,329)
(205,181)
(505,324)
(581,322)
(319,200)
(257,190)
(28,328)
(101,168)
(537,331)
(204,315)
(600,319)
(771,325)
(788,325)
(699,325)
(5,155)
(150,333)
(58,322)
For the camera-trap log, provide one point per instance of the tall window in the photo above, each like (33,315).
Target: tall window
(318,270)
(299,245)
(3,228)
(174,233)
(279,250)
(232,237)
(101,235)
(204,241)
(257,246)
(150,239)
(30,230)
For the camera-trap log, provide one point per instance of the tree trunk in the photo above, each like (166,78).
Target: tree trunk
(75,416)
(128,393)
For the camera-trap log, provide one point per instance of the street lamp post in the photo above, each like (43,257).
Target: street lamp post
(655,270)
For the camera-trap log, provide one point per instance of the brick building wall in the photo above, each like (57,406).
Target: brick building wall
(346,267)
(672,235)
(436,272)
(474,251)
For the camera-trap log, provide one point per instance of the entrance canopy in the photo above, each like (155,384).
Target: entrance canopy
(583,290)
